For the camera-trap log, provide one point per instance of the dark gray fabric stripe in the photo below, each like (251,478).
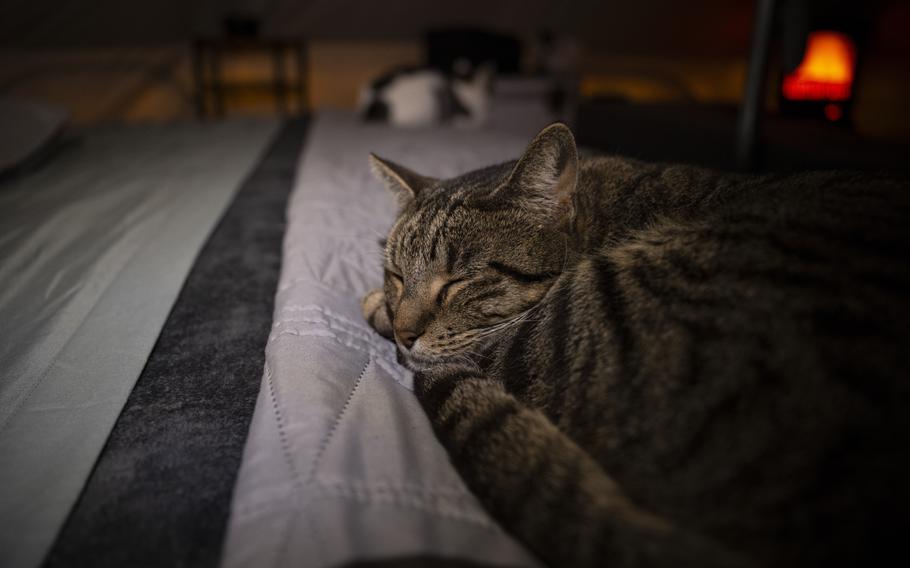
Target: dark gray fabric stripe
(161,490)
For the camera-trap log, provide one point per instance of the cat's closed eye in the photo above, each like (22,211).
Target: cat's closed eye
(443,293)
(396,279)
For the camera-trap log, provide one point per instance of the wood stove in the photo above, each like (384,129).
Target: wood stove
(822,84)
(822,44)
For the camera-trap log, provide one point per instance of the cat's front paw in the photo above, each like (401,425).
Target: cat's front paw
(376,313)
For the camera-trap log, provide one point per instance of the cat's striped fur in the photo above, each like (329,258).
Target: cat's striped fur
(640,364)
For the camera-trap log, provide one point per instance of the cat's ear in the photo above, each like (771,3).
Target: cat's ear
(404,184)
(546,176)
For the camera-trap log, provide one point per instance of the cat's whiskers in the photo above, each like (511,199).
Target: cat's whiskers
(520,318)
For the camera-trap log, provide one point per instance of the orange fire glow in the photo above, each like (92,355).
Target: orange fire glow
(826,72)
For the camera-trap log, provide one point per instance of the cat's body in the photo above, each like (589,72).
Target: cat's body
(645,364)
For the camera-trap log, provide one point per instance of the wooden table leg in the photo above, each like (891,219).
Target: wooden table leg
(278,80)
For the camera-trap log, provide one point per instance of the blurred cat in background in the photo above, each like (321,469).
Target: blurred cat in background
(419,96)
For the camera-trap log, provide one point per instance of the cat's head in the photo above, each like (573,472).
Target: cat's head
(469,256)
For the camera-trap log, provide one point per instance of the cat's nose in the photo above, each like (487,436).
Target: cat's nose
(407,337)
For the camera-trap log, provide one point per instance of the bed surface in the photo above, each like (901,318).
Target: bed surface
(341,464)
(160,492)
(94,248)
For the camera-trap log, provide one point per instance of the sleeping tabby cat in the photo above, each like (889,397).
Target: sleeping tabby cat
(641,364)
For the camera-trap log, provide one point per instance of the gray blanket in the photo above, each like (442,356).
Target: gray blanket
(341,464)
(93,251)
(160,493)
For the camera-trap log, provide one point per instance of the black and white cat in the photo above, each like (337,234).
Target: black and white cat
(419,96)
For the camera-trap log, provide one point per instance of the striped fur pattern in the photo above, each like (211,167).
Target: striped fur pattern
(642,364)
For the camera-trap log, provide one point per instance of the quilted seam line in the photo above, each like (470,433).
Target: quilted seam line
(342,488)
(385,360)
(292,327)
(451,513)
(285,286)
(327,322)
(329,313)
(282,433)
(295,511)
(384,363)
(350,340)
(324,443)
(403,488)
(332,320)
(288,459)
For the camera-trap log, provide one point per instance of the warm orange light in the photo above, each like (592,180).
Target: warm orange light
(833,112)
(826,72)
